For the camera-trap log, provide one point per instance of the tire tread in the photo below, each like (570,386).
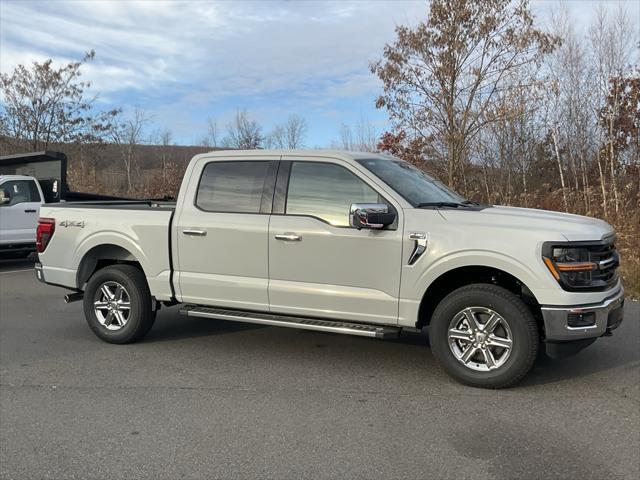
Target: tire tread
(139,282)
(526,315)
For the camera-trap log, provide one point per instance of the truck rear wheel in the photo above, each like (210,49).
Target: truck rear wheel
(484,336)
(118,305)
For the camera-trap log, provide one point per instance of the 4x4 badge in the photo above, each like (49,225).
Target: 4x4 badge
(72,223)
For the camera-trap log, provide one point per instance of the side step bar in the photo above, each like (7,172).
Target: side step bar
(363,330)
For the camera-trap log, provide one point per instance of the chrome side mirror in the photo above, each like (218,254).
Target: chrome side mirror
(370,215)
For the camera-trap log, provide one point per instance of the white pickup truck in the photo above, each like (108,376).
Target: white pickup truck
(20,201)
(343,242)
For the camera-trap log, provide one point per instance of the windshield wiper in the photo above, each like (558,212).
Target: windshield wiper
(443,204)
(471,202)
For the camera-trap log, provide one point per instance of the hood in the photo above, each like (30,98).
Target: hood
(571,227)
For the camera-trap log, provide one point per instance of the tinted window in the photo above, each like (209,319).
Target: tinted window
(21,191)
(232,186)
(326,191)
(412,183)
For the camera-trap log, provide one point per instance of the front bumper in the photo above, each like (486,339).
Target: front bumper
(601,319)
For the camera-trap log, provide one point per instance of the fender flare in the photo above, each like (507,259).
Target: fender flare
(478,258)
(116,240)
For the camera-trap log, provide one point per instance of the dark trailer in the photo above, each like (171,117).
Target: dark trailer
(50,169)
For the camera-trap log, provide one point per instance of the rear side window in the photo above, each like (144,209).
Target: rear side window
(20,191)
(232,186)
(326,191)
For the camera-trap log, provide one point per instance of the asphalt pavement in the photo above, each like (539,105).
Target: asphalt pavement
(203,398)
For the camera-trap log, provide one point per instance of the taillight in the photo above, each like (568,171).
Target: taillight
(46,227)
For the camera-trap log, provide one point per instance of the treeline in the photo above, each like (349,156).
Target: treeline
(478,94)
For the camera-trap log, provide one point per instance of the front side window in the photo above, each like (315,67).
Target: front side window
(232,186)
(326,191)
(19,191)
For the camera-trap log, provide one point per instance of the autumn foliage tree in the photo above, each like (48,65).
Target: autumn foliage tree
(440,79)
(44,104)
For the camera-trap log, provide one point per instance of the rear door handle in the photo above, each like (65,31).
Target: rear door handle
(289,237)
(30,211)
(194,232)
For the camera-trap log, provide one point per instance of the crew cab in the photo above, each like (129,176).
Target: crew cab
(353,243)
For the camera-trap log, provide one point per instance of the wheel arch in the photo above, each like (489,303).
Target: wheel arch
(101,256)
(462,276)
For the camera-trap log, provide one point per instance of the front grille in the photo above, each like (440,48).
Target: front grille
(606,257)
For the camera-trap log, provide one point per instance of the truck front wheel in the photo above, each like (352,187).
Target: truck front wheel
(484,336)
(118,304)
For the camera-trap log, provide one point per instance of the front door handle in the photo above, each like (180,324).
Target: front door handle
(29,211)
(289,237)
(194,232)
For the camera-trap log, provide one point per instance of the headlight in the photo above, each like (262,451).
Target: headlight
(571,265)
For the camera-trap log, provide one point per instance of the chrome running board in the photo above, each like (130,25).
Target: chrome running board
(363,330)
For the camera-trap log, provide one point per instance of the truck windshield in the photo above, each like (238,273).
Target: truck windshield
(410,182)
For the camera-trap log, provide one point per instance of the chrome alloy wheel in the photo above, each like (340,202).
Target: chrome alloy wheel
(480,338)
(112,305)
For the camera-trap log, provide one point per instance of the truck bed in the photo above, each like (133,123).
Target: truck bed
(137,230)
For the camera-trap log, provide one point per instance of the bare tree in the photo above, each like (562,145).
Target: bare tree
(361,137)
(346,141)
(127,134)
(211,139)
(162,141)
(612,40)
(289,135)
(244,132)
(43,104)
(277,138)
(365,136)
(295,130)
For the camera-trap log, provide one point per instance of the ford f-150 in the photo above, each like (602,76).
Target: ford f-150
(354,243)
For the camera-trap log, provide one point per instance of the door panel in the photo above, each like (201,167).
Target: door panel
(227,266)
(334,272)
(318,265)
(222,256)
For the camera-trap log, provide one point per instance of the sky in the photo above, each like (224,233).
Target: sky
(183,62)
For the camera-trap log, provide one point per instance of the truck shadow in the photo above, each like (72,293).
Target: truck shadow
(587,363)
(607,354)
(170,326)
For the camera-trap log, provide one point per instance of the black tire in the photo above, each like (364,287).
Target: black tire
(523,332)
(141,314)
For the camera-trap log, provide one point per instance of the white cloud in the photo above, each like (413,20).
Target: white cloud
(190,56)
(226,48)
